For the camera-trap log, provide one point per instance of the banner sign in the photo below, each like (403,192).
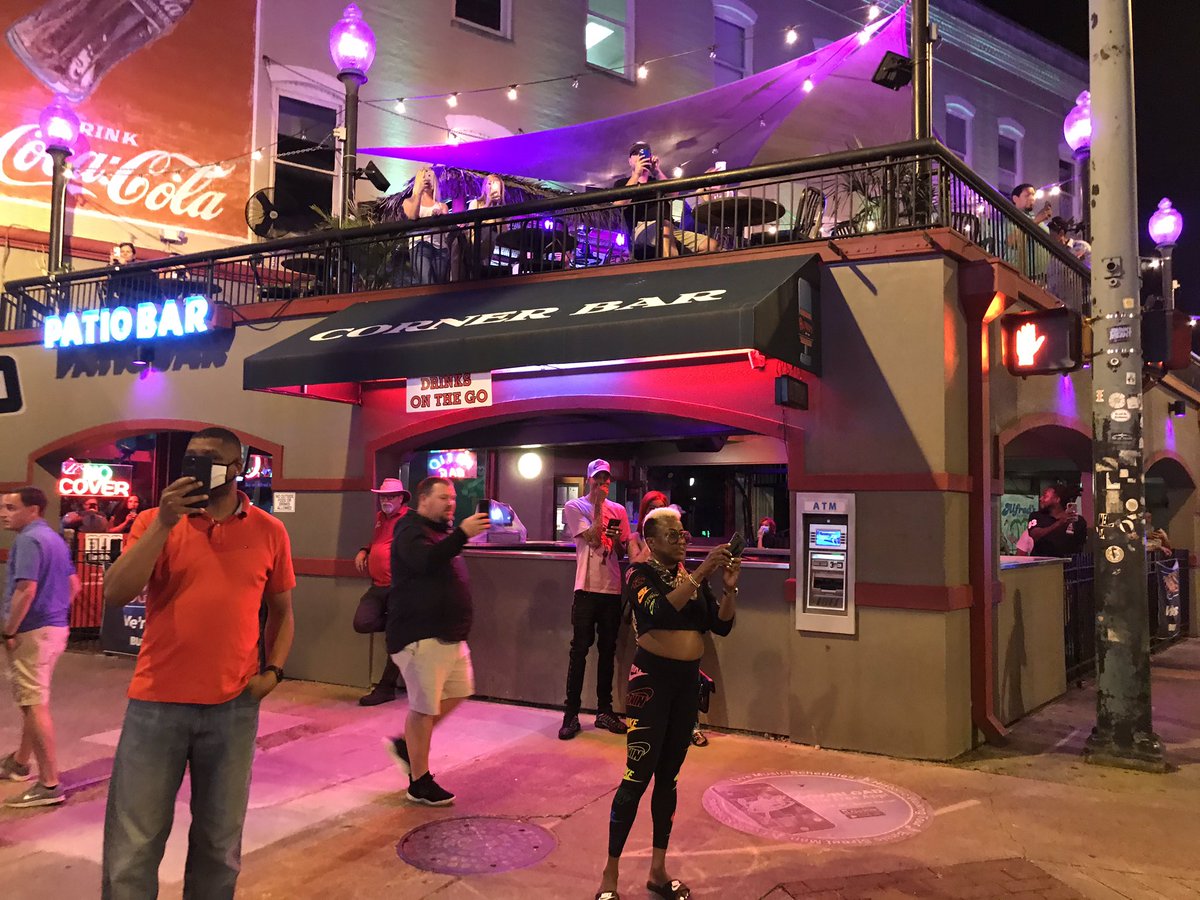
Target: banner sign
(94,479)
(164,133)
(440,392)
(133,324)
(1168,598)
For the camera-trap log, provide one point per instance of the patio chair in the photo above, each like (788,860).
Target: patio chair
(806,225)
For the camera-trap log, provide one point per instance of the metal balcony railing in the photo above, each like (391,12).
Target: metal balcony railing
(897,188)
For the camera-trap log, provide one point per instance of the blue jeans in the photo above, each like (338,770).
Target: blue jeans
(158,741)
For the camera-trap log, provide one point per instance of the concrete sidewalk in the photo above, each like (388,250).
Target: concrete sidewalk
(1025,820)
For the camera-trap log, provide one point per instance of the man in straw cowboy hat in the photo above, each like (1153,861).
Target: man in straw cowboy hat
(375,560)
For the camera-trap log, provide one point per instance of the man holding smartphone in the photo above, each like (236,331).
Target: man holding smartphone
(600,528)
(207,560)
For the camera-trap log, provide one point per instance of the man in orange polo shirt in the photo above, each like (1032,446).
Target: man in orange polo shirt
(206,561)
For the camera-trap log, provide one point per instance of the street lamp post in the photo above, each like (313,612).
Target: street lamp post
(1077,129)
(352,47)
(60,130)
(1166,224)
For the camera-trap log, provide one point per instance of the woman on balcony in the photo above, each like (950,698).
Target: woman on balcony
(430,253)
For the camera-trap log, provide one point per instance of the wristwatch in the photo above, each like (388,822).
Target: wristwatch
(278,672)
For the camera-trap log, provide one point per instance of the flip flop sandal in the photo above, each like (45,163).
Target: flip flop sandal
(699,738)
(608,895)
(673,890)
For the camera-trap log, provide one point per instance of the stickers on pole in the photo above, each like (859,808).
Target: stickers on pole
(1114,554)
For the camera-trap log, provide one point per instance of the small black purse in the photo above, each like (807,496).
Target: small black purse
(708,687)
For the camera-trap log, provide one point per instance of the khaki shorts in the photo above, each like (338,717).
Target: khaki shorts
(435,671)
(31,665)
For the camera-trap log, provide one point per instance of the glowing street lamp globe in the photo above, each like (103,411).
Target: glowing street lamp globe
(352,42)
(59,124)
(1077,127)
(1166,224)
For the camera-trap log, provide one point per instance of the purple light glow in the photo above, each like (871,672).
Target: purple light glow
(1077,127)
(1066,397)
(548,224)
(1166,224)
(59,124)
(352,42)
(620,239)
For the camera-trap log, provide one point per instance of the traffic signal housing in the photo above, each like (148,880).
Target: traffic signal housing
(1042,342)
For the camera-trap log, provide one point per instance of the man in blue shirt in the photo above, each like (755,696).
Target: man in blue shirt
(38,592)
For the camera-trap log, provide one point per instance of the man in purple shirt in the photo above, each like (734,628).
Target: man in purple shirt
(38,591)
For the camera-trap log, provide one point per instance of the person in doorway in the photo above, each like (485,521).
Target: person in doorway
(122,519)
(1158,544)
(375,560)
(600,529)
(38,592)
(672,609)
(1057,529)
(429,619)
(768,536)
(207,562)
(88,520)
(651,500)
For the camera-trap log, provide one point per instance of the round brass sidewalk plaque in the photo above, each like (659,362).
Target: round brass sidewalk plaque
(475,845)
(817,808)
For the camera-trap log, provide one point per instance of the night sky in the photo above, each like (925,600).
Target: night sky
(1166,38)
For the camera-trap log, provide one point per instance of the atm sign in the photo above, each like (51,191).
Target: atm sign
(1042,342)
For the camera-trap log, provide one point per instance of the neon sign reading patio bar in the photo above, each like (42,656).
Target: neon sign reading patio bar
(144,322)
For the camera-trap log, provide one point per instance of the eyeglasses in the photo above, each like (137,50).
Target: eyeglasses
(677,535)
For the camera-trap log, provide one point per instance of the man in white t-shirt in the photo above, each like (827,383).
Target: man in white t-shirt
(600,528)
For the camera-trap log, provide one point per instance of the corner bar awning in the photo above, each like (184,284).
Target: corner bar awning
(767,305)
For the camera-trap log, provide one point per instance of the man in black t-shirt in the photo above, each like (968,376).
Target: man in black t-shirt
(652,230)
(1056,528)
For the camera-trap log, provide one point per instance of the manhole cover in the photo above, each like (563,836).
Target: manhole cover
(816,807)
(475,845)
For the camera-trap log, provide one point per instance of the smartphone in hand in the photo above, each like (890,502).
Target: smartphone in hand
(200,468)
(737,544)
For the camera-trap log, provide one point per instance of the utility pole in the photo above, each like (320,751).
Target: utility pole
(922,63)
(1123,734)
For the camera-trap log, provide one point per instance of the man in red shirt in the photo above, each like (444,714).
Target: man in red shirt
(207,561)
(376,560)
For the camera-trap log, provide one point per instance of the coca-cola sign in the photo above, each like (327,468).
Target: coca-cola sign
(165,128)
(152,180)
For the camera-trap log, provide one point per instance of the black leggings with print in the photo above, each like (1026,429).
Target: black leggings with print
(661,707)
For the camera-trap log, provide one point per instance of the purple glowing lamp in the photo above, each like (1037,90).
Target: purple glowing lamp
(1077,127)
(59,124)
(352,42)
(1166,224)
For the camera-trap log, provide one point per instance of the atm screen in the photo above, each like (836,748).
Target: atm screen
(829,537)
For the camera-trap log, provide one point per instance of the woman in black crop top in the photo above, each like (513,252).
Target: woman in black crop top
(672,610)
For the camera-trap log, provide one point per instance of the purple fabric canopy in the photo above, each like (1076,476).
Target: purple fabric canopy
(766,117)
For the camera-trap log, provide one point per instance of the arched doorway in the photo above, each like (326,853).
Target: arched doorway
(1171,498)
(1036,453)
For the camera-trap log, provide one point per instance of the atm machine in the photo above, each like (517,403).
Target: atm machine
(824,555)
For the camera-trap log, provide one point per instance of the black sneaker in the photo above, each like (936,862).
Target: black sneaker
(379,694)
(570,728)
(426,790)
(397,749)
(610,722)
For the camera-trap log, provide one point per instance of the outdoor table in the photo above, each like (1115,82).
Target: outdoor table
(736,213)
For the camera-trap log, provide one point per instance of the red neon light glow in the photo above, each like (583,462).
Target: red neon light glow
(1026,344)
(93,480)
